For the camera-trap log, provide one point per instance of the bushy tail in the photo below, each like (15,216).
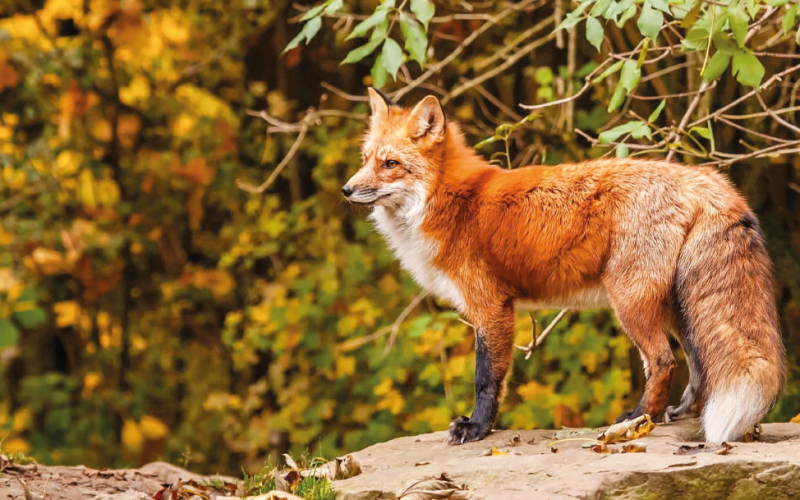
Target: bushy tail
(724,289)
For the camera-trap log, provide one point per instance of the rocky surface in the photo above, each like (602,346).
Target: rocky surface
(522,466)
(531,470)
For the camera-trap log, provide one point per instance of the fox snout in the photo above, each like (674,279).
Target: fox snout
(347,190)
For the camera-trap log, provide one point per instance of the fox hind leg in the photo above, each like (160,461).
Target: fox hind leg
(691,404)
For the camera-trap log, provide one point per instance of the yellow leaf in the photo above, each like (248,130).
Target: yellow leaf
(92,379)
(101,130)
(16,445)
(498,453)
(132,438)
(49,262)
(67,313)
(173,26)
(152,428)
(21,421)
(138,90)
(183,125)
(796,419)
(86,189)
(628,430)
(67,163)
(345,365)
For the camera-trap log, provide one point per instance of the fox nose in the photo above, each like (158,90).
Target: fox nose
(347,190)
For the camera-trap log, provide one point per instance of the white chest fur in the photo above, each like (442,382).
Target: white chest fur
(402,232)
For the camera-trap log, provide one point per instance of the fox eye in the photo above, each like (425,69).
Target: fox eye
(390,164)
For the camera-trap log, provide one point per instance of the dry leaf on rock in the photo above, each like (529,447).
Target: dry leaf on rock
(603,448)
(498,453)
(347,467)
(634,448)
(628,430)
(516,440)
(434,488)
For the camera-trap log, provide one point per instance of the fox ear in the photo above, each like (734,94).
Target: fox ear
(427,119)
(379,103)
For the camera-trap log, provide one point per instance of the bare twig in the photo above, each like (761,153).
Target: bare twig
(537,341)
(399,321)
(436,68)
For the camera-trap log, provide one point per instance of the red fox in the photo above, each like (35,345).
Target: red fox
(673,249)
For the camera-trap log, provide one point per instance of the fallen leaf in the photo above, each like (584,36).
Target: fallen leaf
(553,449)
(634,448)
(420,464)
(795,419)
(434,488)
(628,430)
(724,449)
(516,440)
(603,448)
(290,462)
(347,467)
(498,453)
(687,449)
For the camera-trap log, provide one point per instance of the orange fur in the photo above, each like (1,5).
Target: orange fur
(673,249)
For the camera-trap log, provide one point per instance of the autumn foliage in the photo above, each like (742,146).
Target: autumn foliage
(150,308)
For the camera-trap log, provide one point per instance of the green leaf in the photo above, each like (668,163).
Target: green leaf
(650,21)
(530,117)
(31,317)
(716,66)
(490,140)
(360,53)
(789,18)
(334,6)
(631,73)
(594,32)
(309,30)
(543,75)
(702,132)
(747,69)
(416,41)
(622,150)
(609,71)
(314,12)
(691,17)
(696,39)
(379,74)
(617,98)
(739,20)
(637,129)
(724,43)
(375,19)
(626,16)
(657,112)
(392,56)
(424,10)
(8,333)
(571,20)
(661,5)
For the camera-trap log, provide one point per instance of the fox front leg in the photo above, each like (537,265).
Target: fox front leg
(494,344)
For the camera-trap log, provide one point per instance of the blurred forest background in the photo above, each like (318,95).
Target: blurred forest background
(152,308)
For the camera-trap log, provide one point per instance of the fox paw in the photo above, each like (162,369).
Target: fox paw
(629,415)
(462,430)
(674,413)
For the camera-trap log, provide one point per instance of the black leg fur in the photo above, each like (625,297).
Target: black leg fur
(487,391)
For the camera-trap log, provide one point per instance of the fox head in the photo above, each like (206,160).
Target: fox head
(401,155)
